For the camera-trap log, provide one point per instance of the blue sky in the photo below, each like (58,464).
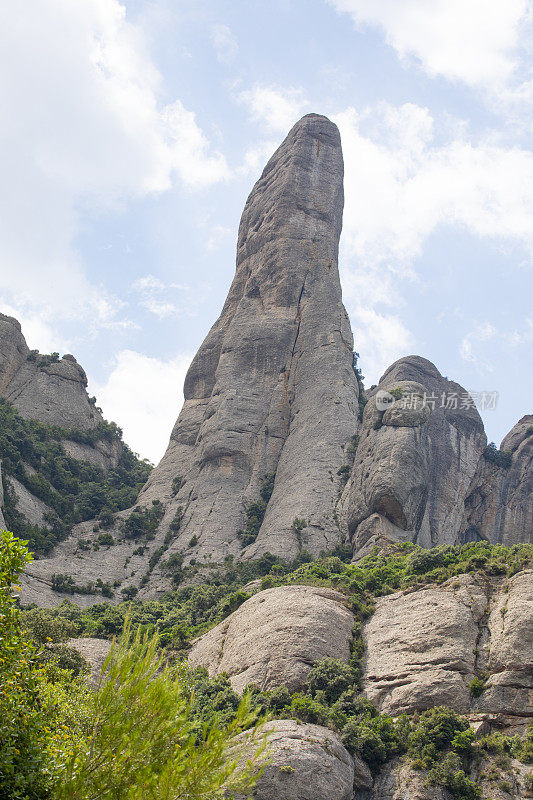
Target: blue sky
(132,133)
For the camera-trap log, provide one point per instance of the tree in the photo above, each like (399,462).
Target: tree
(41,707)
(143,743)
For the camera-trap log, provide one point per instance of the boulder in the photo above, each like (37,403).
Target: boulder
(276,636)
(308,762)
(424,648)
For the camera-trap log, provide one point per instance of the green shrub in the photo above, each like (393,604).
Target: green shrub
(144,734)
(477,687)
(502,458)
(74,490)
(330,676)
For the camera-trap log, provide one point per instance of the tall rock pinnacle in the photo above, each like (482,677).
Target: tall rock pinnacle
(272,388)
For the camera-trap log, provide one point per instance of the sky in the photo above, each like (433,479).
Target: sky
(132,132)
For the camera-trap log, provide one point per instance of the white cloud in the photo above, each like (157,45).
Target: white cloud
(485,346)
(154,296)
(401,183)
(380,339)
(38,331)
(405,176)
(275,107)
(225,43)
(474,41)
(82,127)
(144,396)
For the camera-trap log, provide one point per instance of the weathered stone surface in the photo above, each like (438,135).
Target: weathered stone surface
(2,520)
(13,349)
(376,531)
(103,454)
(499,505)
(420,647)
(27,504)
(272,388)
(398,781)
(509,650)
(53,393)
(414,466)
(95,652)
(308,762)
(276,636)
(424,647)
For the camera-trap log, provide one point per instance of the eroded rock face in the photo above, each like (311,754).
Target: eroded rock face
(276,636)
(272,388)
(398,781)
(308,762)
(415,461)
(423,648)
(95,652)
(499,505)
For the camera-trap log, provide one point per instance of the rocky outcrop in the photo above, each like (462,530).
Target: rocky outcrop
(51,391)
(95,652)
(272,389)
(424,648)
(397,780)
(415,459)
(276,636)
(308,762)
(499,505)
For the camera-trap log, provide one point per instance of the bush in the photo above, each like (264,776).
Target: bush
(477,687)
(41,707)
(502,458)
(330,676)
(144,735)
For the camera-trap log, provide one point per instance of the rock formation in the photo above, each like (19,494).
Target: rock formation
(424,648)
(51,391)
(415,460)
(268,454)
(499,505)
(275,637)
(308,762)
(272,389)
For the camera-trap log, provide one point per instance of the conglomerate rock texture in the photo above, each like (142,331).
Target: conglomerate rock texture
(424,648)
(272,389)
(276,636)
(308,762)
(54,393)
(415,460)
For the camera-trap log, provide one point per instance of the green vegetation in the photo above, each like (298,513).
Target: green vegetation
(143,521)
(75,490)
(362,400)
(255,512)
(156,749)
(502,458)
(437,741)
(42,706)
(138,737)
